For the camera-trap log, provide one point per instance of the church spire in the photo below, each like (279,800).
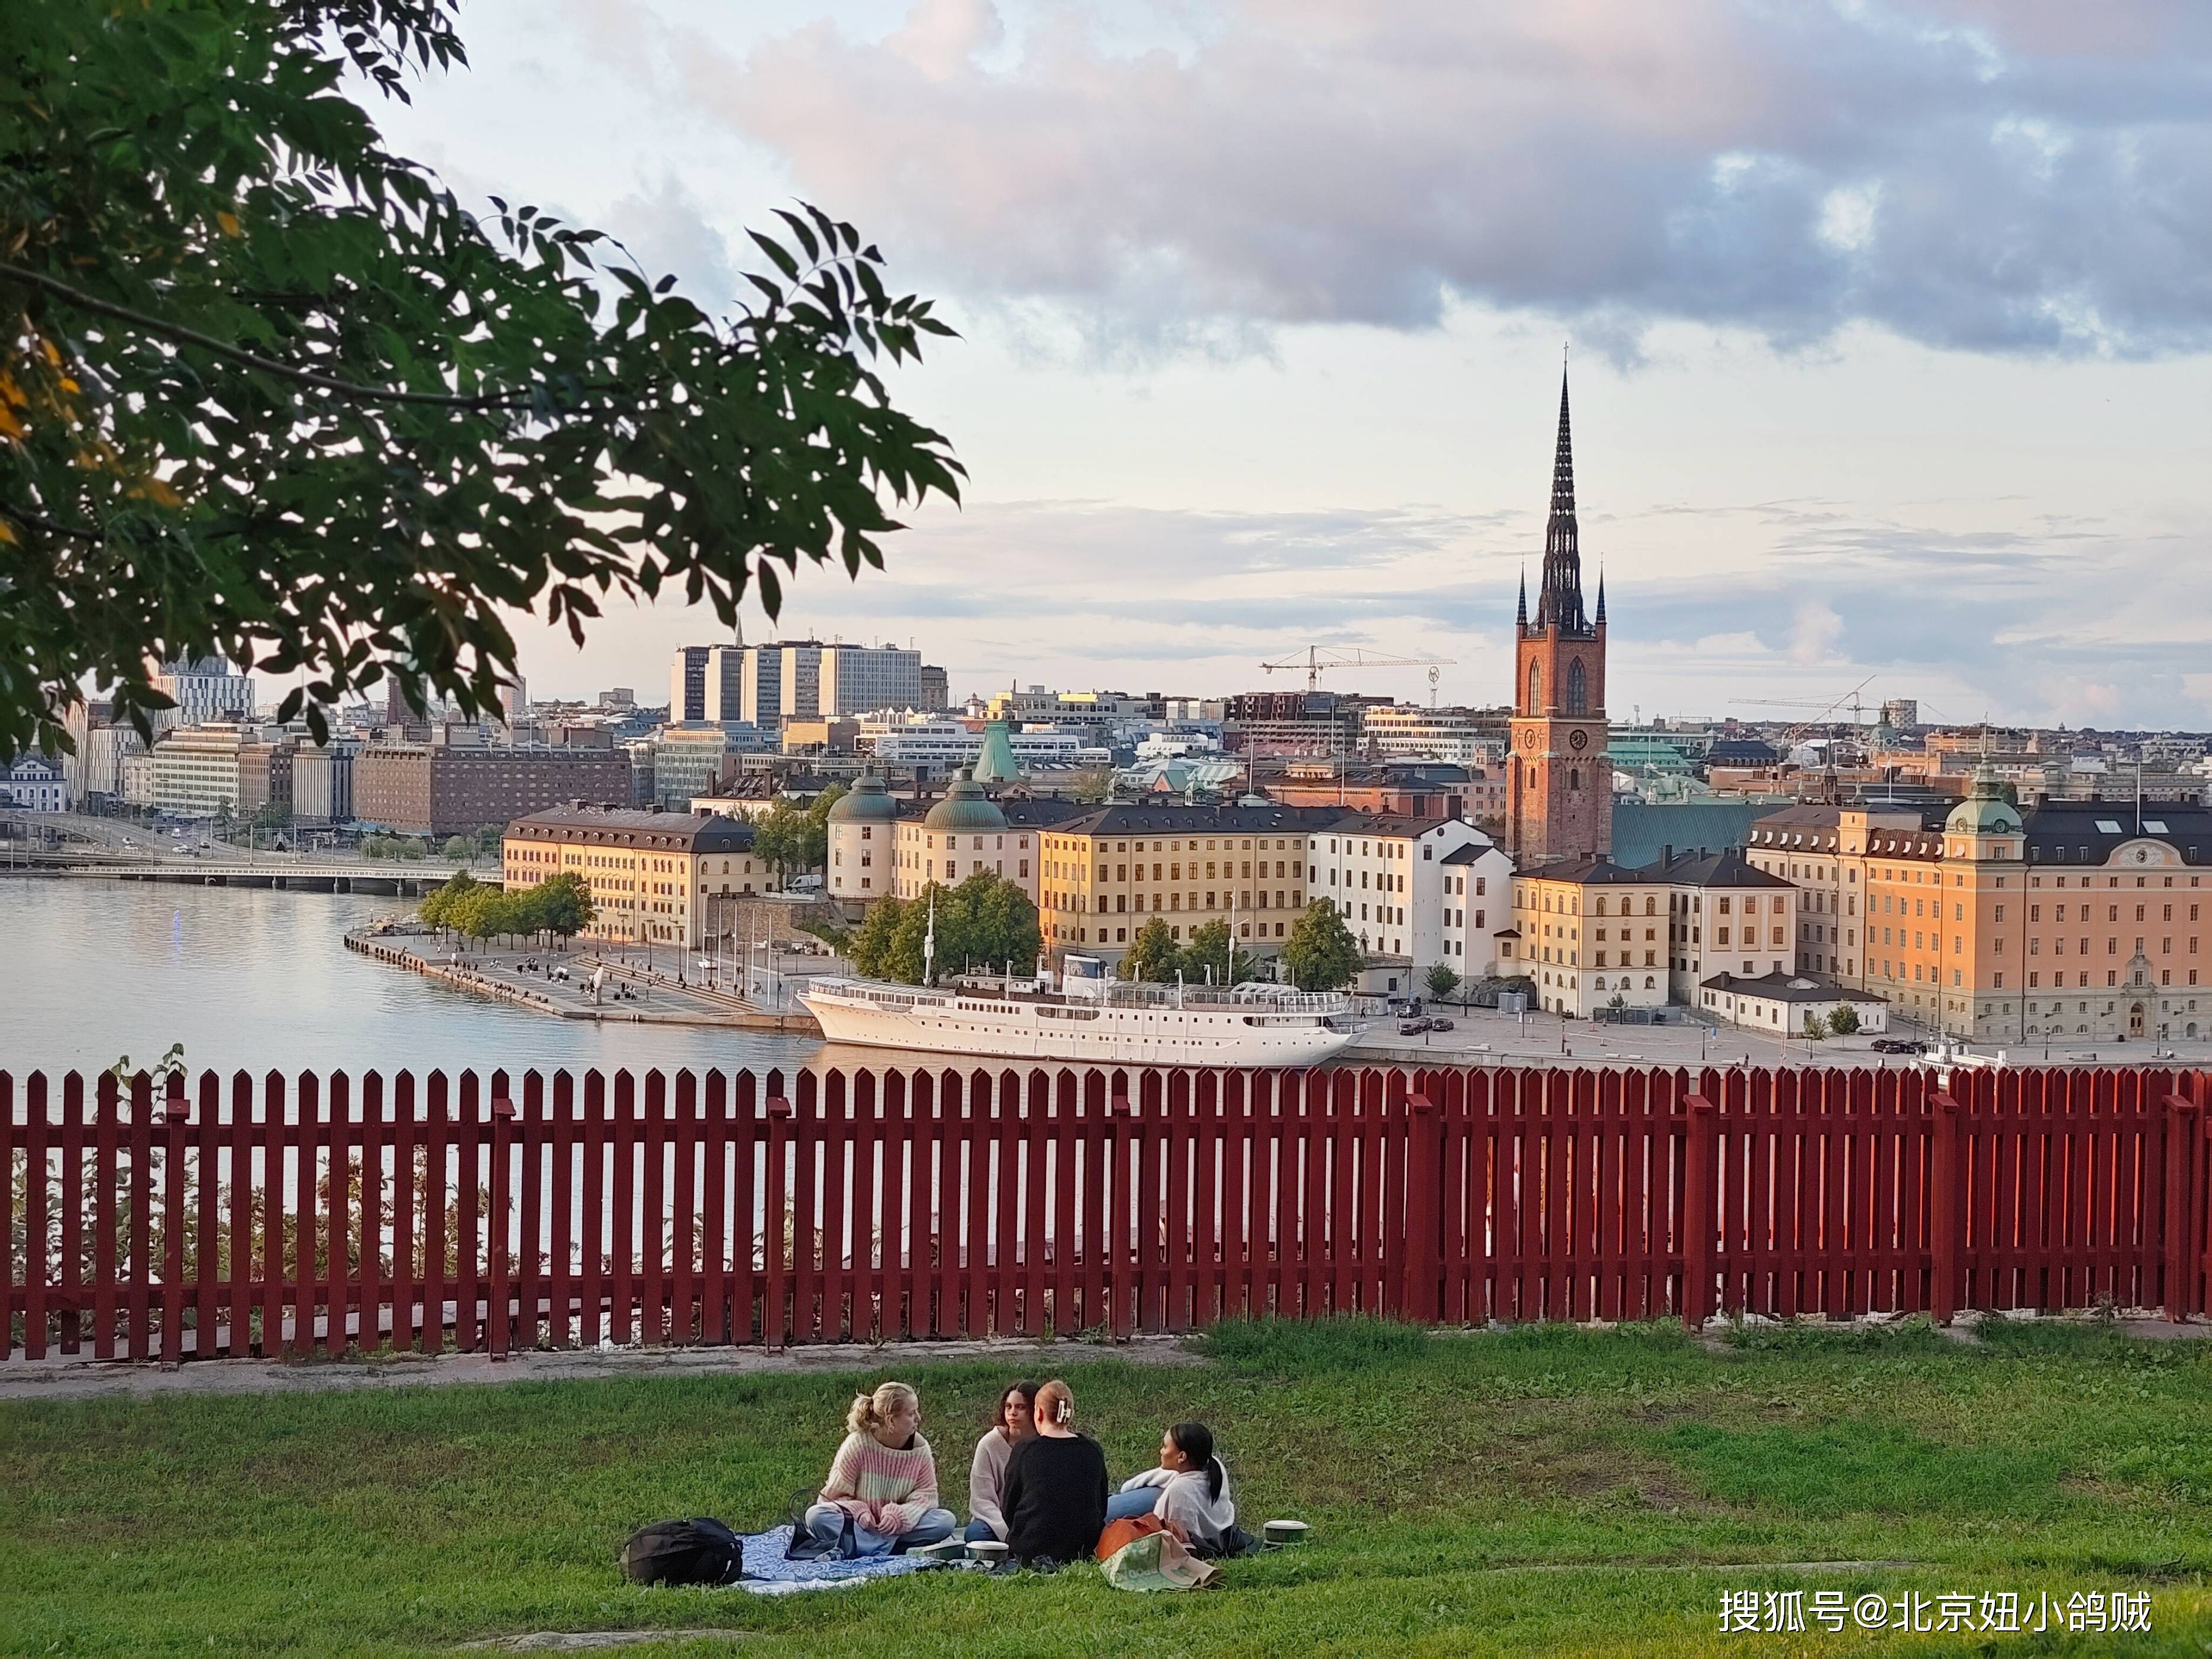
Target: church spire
(1521,616)
(1559,602)
(1601,596)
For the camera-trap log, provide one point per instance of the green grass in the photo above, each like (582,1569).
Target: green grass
(1536,1491)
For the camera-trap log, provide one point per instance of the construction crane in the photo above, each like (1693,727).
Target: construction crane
(1319,658)
(1849,700)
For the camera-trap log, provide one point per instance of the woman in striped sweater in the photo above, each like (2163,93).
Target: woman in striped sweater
(881,1495)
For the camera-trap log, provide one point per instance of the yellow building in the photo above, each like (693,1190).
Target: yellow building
(652,875)
(1103,875)
(1591,934)
(2080,921)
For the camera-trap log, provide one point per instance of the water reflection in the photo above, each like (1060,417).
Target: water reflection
(246,977)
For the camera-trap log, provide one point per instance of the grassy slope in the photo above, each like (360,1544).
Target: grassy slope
(1542,1491)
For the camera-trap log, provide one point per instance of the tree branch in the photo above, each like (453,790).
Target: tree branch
(52,527)
(178,333)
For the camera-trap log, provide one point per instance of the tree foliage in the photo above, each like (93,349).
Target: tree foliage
(1441,981)
(268,389)
(1320,952)
(985,924)
(1214,956)
(1153,955)
(561,905)
(1844,1020)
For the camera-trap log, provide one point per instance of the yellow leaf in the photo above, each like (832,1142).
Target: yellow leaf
(9,426)
(156,489)
(228,223)
(7,533)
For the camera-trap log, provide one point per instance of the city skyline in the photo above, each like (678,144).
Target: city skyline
(1852,427)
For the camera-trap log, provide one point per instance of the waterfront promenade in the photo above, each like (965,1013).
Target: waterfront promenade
(559,983)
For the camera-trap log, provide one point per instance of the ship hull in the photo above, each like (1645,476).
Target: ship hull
(1153,1036)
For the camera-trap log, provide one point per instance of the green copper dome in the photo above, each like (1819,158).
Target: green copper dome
(965,809)
(867,802)
(1985,811)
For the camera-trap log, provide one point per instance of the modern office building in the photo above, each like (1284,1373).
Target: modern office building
(204,689)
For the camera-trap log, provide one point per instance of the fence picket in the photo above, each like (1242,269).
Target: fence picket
(873,1205)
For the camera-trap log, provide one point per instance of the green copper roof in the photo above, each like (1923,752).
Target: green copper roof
(996,764)
(965,807)
(867,802)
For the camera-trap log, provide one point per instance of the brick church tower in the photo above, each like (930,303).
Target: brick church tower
(1559,784)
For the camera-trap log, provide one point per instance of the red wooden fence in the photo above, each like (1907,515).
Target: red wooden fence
(229,1217)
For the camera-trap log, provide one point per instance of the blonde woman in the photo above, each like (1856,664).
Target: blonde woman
(881,1495)
(1055,1490)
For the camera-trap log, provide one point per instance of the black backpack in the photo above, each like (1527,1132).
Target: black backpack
(700,1551)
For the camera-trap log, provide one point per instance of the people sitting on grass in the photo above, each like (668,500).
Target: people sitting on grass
(986,1472)
(1054,1498)
(881,1495)
(1189,1491)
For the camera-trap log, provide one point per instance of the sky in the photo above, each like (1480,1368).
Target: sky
(1886,327)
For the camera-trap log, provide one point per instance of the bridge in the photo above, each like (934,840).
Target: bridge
(404,879)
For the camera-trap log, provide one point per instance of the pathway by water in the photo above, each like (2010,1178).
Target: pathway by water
(90,971)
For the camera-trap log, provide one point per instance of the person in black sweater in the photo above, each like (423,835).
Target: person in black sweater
(1056,1491)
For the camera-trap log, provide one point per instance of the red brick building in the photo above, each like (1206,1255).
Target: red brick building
(1559,783)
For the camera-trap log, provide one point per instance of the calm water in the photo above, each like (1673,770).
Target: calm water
(91,970)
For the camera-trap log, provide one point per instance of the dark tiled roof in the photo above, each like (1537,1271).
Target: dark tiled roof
(1589,873)
(1468,853)
(1163,820)
(673,831)
(2074,832)
(1723,869)
(1787,987)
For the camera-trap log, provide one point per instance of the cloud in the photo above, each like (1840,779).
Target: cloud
(665,230)
(2031,177)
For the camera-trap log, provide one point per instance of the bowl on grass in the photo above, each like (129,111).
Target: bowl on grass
(989,1551)
(1281,1534)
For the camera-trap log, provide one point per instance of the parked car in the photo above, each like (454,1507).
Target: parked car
(1414,1027)
(1440,1024)
(1897,1046)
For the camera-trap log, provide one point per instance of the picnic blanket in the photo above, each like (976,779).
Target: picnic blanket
(768,1573)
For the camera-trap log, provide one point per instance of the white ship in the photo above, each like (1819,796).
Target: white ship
(1091,1019)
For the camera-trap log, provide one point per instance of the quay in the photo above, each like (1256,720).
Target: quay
(494,974)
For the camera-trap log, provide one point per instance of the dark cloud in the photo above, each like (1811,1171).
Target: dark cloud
(2028,177)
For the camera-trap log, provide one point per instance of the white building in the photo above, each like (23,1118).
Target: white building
(1780,1003)
(932,743)
(961,835)
(1427,891)
(34,784)
(96,767)
(1405,732)
(1727,916)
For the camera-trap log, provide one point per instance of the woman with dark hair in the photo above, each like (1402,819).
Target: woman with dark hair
(986,1472)
(1189,1490)
(1055,1494)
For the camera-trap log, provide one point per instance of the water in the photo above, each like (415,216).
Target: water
(246,977)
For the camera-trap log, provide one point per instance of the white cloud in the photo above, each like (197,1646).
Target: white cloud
(1989,178)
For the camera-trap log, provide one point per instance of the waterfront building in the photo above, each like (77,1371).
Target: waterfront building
(95,769)
(654,876)
(1559,783)
(1400,882)
(34,784)
(2078,920)
(322,782)
(934,745)
(1105,873)
(441,789)
(1725,916)
(203,771)
(862,829)
(1780,1003)
(962,833)
(1591,934)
